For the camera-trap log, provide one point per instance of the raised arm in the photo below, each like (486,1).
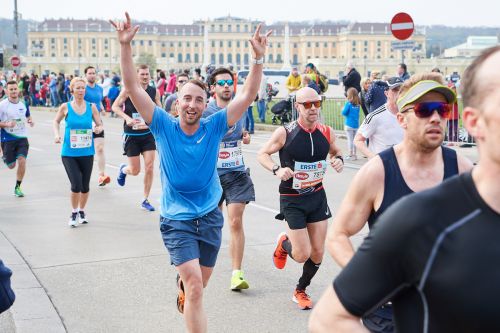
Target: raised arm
(142,102)
(238,106)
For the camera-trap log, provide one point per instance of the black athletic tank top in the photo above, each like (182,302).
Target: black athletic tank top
(130,110)
(303,145)
(395,186)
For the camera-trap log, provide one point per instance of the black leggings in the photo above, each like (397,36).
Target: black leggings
(79,170)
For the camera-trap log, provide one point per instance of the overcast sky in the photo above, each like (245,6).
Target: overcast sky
(424,12)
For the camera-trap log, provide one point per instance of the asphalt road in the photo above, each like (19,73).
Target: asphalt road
(114,274)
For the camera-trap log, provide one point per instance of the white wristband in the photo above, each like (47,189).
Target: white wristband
(259,61)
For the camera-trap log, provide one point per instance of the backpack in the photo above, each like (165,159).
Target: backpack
(322,82)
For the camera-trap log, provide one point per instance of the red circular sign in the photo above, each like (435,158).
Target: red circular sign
(15,61)
(402,26)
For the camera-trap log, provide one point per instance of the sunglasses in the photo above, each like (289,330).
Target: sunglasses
(223,82)
(426,109)
(309,104)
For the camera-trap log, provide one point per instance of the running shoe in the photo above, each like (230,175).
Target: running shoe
(103,180)
(72,220)
(82,218)
(181,297)
(17,192)
(302,299)
(280,255)
(147,206)
(238,282)
(121,175)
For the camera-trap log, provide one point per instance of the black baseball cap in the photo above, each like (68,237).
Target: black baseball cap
(394,82)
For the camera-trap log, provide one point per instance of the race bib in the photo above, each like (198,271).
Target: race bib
(308,174)
(141,124)
(80,138)
(230,155)
(18,129)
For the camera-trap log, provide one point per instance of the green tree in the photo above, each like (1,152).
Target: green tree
(147,59)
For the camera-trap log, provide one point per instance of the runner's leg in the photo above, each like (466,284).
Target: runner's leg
(193,281)
(237,239)
(101,159)
(149,161)
(21,168)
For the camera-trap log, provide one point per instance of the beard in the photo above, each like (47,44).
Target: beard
(225,96)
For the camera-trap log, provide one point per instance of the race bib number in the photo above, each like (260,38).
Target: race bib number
(308,174)
(80,138)
(18,129)
(230,155)
(141,124)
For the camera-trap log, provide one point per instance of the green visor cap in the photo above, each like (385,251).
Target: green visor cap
(422,88)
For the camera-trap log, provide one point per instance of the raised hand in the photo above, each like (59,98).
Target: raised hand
(259,42)
(125,30)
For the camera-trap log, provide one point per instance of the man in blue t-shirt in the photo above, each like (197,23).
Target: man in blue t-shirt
(191,223)
(237,187)
(94,94)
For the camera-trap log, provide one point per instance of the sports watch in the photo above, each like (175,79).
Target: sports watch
(276,167)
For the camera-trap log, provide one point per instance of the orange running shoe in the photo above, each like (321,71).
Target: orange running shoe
(302,299)
(280,255)
(103,180)
(181,297)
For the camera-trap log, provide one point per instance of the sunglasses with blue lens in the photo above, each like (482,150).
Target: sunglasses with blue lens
(223,82)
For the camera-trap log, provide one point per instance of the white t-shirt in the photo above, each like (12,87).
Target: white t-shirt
(13,112)
(381,127)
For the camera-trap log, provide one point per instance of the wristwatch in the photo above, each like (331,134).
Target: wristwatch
(276,167)
(340,158)
(259,61)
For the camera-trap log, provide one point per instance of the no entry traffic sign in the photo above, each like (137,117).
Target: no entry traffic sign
(402,26)
(15,61)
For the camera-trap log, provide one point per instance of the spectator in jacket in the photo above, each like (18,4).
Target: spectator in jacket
(351,124)
(352,79)
(293,81)
(172,80)
(308,82)
(365,85)
(375,96)
(403,72)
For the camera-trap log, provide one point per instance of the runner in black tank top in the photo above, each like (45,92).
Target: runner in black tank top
(304,146)
(395,186)
(137,138)
(129,110)
(435,253)
(418,163)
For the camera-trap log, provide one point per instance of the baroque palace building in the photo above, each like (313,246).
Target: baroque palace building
(67,45)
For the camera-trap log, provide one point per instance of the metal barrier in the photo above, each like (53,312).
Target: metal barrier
(331,114)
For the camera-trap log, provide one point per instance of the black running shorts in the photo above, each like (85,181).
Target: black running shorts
(299,210)
(12,150)
(134,145)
